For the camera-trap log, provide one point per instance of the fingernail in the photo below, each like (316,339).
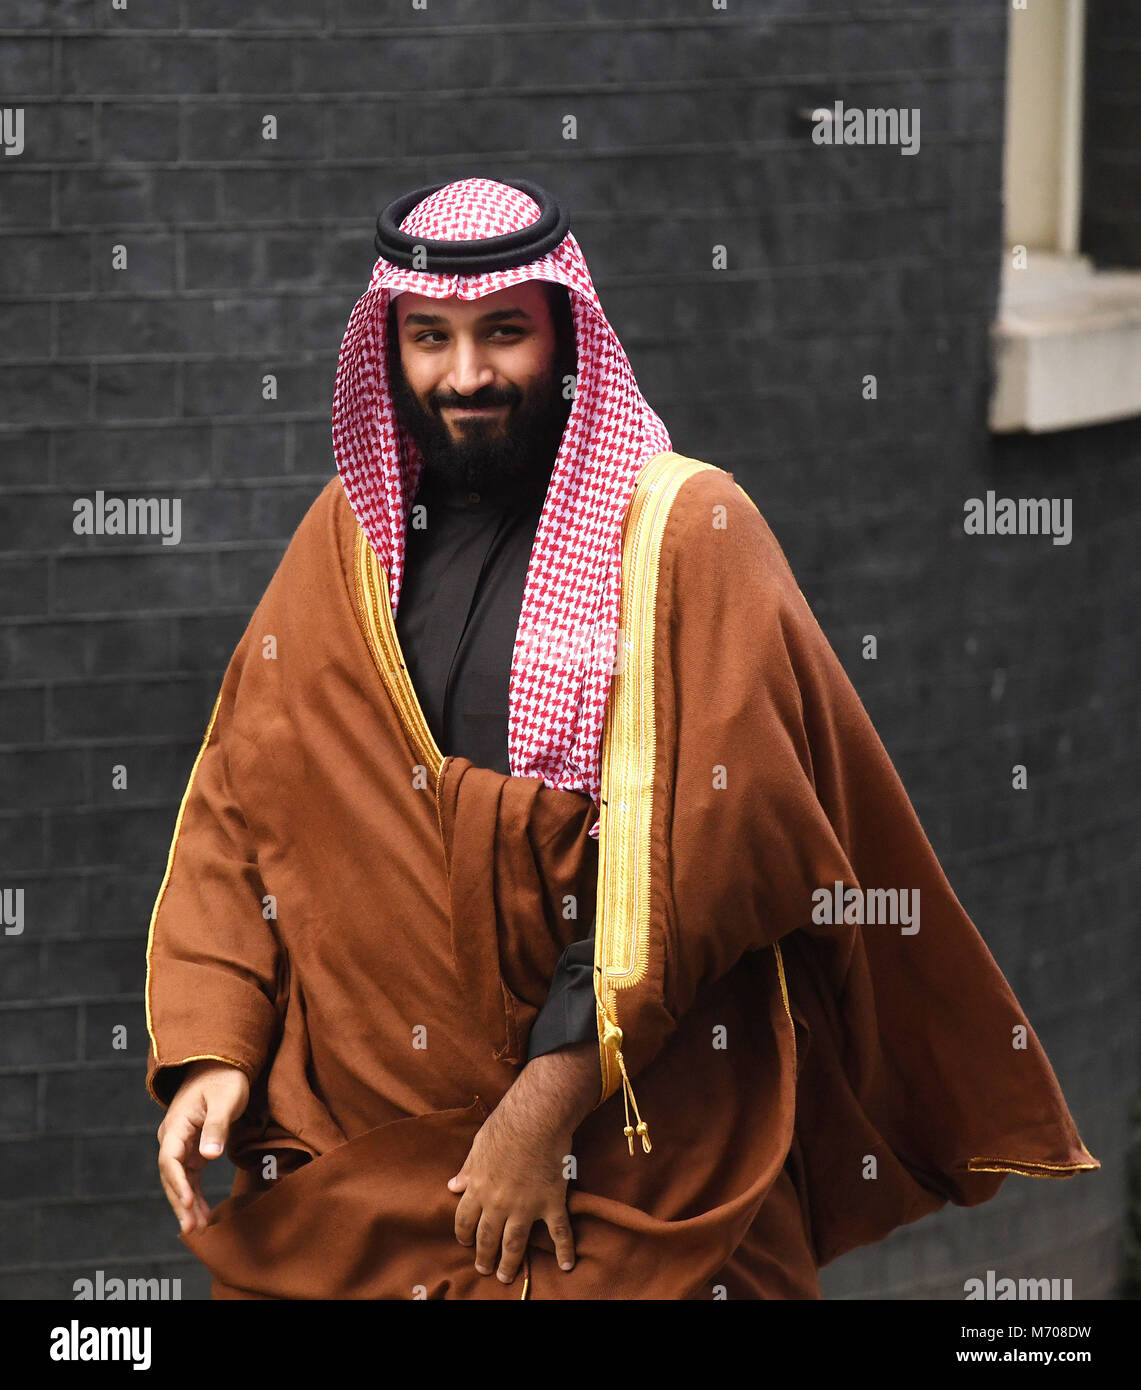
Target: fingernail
(503,1279)
(566,1264)
(482,1269)
(211,1148)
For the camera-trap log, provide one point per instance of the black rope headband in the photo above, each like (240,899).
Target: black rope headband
(469,257)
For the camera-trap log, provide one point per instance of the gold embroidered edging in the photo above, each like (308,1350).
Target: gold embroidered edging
(375,610)
(169,867)
(1028,1169)
(622,943)
(784,995)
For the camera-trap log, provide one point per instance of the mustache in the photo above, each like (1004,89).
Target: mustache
(487,397)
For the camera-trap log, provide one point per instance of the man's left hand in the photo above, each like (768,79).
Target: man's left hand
(514,1174)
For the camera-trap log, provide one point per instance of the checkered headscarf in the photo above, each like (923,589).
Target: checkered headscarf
(566,643)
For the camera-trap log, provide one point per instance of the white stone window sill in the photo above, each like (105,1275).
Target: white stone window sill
(1066,347)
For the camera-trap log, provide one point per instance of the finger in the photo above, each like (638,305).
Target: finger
(194,1163)
(175,1202)
(515,1236)
(173,1178)
(459,1182)
(185,1211)
(174,1175)
(183,1184)
(177,1158)
(467,1218)
(182,1210)
(200,1208)
(488,1234)
(563,1236)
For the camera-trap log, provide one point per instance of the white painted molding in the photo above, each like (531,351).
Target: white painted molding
(1066,347)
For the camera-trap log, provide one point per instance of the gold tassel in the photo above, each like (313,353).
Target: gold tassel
(612,1034)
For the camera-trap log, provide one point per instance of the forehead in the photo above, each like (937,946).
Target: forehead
(529,295)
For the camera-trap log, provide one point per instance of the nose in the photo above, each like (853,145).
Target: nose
(468,372)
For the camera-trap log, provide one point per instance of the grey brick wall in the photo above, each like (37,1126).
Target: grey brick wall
(244,257)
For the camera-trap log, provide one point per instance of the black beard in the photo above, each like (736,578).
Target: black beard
(514,465)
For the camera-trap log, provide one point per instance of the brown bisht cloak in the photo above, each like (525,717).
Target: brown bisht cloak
(369,929)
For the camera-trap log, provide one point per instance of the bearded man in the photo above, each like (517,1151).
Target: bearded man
(531,777)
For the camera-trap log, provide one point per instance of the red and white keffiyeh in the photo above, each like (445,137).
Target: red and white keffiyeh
(567,638)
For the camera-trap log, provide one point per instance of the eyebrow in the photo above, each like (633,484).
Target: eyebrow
(432,320)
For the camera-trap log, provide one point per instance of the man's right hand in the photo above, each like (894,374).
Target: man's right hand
(194,1131)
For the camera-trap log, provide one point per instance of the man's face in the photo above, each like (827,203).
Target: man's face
(478,385)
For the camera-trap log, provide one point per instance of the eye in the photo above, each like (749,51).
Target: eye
(431,336)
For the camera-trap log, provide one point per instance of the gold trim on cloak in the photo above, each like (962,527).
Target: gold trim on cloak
(198,1056)
(375,607)
(629,752)
(1029,1168)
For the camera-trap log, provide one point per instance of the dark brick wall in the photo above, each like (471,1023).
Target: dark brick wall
(143,129)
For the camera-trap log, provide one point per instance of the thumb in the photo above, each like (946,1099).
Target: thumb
(215,1127)
(460,1181)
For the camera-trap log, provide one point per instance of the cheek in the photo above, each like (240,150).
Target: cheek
(421,379)
(534,370)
